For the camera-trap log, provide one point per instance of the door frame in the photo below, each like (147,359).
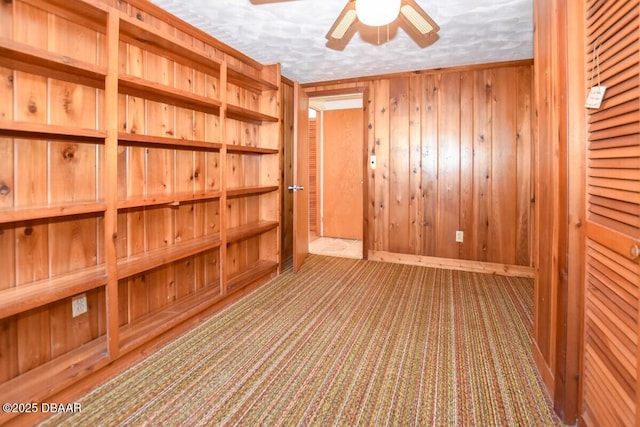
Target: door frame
(364,92)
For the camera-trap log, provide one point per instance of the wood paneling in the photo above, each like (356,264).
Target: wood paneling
(453,152)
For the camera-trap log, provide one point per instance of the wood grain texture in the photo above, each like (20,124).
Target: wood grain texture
(448,172)
(611,180)
(342,173)
(103,192)
(472,130)
(287,171)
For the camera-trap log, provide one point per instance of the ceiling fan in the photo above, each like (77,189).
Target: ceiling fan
(388,15)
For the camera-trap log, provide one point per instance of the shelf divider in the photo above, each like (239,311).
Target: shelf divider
(141,34)
(54,376)
(251,273)
(152,325)
(57,210)
(249,230)
(23,57)
(144,261)
(51,132)
(36,294)
(153,91)
(126,138)
(249,191)
(168,199)
(245,115)
(243,149)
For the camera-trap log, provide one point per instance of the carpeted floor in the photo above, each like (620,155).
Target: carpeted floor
(343,342)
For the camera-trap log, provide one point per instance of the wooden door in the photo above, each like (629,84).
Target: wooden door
(611,374)
(342,148)
(301,177)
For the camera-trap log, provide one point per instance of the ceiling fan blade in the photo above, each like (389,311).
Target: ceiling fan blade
(417,23)
(343,28)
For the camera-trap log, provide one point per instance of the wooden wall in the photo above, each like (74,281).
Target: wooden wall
(454,152)
(558,241)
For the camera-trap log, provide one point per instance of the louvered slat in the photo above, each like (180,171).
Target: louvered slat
(612,276)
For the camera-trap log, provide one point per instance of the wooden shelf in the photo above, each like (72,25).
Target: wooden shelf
(94,13)
(211,79)
(144,261)
(256,84)
(146,89)
(23,57)
(169,199)
(142,330)
(164,142)
(145,36)
(251,191)
(51,211)
(242,149)
(245,115)
(250,274)
(36,294)
(51,132)
(54,376)
(249,230)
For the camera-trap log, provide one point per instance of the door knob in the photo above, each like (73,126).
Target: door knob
(635,251)
(296,187)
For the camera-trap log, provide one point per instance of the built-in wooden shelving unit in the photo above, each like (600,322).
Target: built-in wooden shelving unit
(138,164)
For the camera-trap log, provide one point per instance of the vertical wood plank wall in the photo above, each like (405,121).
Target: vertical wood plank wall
(454,152)
(559,164)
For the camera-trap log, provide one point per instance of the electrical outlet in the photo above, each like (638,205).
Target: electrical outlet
(459,236)
(78,305)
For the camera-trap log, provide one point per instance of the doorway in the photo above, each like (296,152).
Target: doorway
(336,146)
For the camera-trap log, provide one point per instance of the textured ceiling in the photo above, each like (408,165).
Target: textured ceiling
(293,34)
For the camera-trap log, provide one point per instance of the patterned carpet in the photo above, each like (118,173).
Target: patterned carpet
(343,342)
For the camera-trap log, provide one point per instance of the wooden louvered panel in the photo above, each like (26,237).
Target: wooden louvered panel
(599,341)
(627,105)
(313,177)
(629,163)
(610,377)
(611,404)
(623,219)
(632,185)
(607,16)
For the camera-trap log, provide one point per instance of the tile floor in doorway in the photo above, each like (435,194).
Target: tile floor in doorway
(344,248)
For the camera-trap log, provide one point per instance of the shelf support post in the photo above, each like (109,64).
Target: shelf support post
(111,180)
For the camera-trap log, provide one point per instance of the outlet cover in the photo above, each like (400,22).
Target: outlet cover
(78,305)
(459,236)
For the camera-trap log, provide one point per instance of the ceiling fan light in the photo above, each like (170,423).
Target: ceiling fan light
(418,21)
(376,13)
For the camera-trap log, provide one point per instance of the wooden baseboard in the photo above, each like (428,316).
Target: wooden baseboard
(453,264)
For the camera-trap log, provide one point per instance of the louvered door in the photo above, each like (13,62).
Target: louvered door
(610,380)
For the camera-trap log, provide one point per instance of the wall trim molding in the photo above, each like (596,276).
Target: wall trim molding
(404,74)
(453,264)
